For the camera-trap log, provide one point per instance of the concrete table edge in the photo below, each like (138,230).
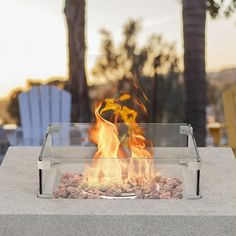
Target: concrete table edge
(21,211)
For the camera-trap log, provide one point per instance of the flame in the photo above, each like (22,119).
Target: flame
(119,160)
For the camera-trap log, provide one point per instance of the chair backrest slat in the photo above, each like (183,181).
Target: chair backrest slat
(39,107)
(65,108)
(45,107)
(34,101)
(65,117)
(55,106)
(25,115)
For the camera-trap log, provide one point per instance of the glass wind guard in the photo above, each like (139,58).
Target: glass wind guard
(148,161)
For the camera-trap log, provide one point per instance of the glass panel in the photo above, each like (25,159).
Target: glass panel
(168,161)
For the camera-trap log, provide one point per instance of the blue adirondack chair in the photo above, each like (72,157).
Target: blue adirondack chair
(39,107)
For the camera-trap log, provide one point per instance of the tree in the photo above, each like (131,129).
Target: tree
(148,72)
(194,20)
(75,16)
(13,106)
(217,8)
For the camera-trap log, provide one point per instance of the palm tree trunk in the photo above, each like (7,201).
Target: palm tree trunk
(194,18)
(75,16)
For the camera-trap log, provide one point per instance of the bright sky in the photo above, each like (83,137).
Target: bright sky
(33,40)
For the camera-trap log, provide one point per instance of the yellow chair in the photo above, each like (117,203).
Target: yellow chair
(229,103)
(215,131)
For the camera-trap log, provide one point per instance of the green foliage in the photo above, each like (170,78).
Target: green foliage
(136,68)
(13,107)
(218,7)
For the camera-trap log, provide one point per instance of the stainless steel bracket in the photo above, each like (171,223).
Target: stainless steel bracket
(53,129)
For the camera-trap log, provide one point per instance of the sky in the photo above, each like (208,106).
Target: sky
(33,35)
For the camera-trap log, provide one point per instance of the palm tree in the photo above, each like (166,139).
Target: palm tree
(75,16)
(194,19)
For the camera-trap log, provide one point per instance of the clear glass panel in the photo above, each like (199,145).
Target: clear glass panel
(160,134)
(74,168)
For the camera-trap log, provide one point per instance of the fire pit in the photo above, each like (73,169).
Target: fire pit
(67,168)
(113,160)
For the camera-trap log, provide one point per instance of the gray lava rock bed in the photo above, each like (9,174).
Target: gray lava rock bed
(71,186)
(22,213)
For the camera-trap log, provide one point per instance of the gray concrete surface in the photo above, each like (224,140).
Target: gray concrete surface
(22,213)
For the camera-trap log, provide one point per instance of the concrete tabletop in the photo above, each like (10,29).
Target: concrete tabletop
(21,210)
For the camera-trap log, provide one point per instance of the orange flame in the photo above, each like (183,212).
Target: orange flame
(119,160)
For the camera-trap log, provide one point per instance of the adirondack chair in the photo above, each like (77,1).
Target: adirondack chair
(39,107)
(229,101)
